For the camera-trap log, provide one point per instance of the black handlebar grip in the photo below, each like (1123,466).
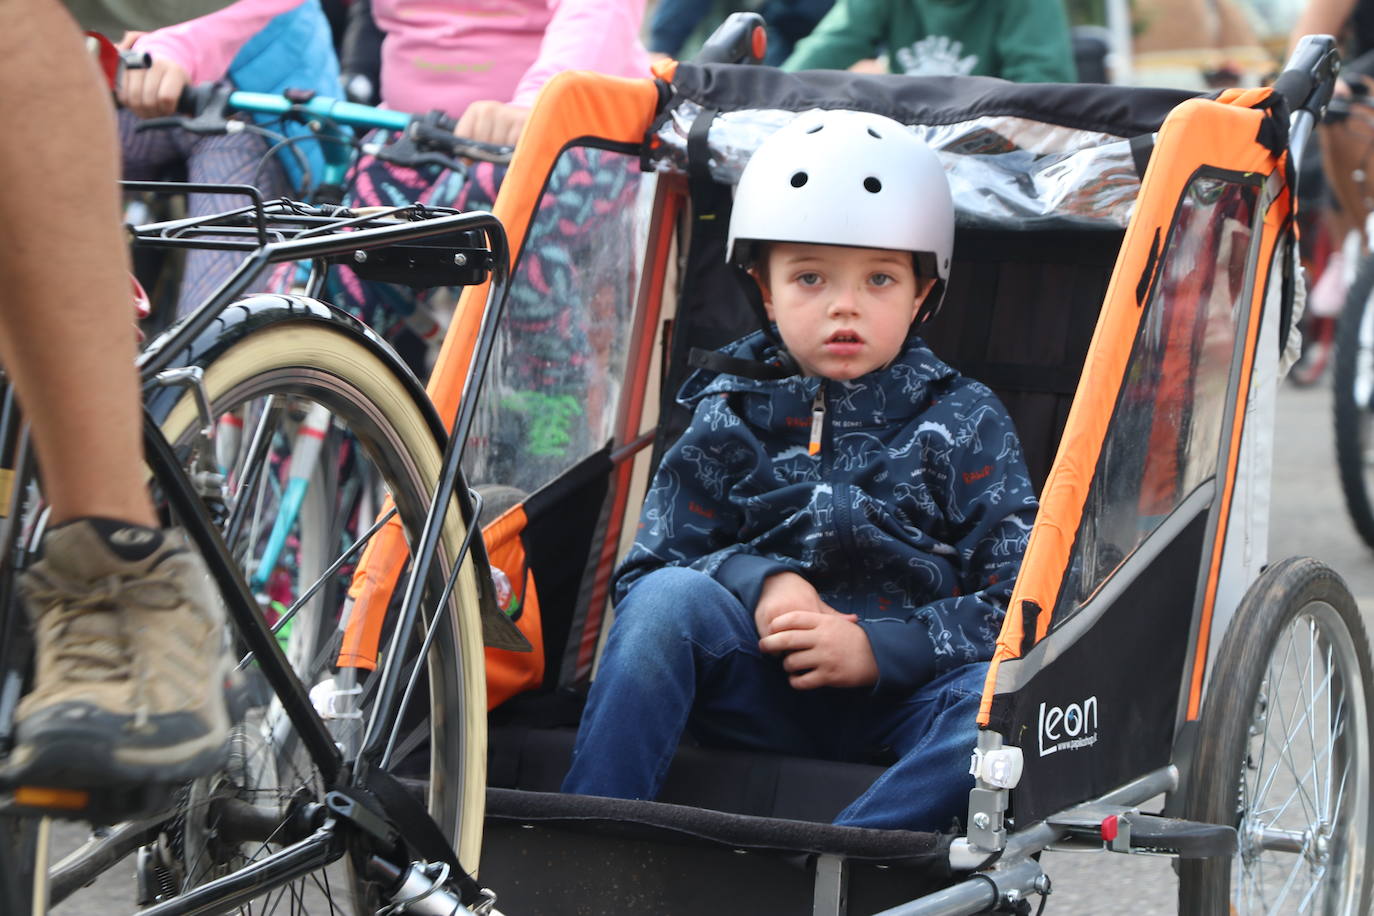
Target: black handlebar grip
(194,99)
(189,104)
(1309,76)
(1295,86)
(436,132)
(740,39)
(200,109)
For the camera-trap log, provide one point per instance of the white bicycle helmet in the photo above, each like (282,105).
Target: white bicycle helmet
(846,178)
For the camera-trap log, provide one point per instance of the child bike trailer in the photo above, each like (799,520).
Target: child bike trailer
(1124,280)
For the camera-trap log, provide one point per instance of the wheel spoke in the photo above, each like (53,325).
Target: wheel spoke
(1301,781)
(251,466)
(1308,715)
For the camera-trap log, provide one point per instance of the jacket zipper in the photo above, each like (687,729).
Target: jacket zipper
(823,435)
(817,421)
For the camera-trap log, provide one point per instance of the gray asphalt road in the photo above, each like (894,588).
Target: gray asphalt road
(1308,519)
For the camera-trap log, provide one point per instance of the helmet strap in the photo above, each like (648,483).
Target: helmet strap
(715,361)
(782,367)
(749,285)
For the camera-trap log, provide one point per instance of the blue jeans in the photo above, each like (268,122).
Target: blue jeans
(683,655)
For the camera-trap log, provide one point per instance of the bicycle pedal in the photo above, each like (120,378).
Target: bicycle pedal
(105,805)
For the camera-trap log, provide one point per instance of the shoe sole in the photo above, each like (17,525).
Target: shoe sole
(76,761)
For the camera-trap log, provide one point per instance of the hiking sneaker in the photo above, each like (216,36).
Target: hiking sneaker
(131,663)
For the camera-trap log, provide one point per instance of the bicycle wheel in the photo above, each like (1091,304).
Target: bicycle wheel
(271,377)
(1284,753)
(1354,400)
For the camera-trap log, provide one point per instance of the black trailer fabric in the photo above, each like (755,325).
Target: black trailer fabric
(753,783)
(558,538)
(562,855)
(1085,725)
(1122,111)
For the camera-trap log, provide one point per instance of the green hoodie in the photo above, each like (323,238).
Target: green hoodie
(1022,40)
(112,17)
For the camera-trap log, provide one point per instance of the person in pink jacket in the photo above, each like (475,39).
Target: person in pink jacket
(484,62)
(197,51)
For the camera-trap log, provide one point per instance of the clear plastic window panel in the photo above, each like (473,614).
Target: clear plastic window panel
(552,392)
(1004,172)
(1166,433)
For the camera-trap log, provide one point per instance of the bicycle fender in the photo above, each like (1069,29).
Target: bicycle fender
(254,312)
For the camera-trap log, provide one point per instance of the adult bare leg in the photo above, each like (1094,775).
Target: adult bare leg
(66,334)
(128,687)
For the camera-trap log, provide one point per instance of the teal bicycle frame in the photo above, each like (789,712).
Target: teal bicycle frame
(328,113)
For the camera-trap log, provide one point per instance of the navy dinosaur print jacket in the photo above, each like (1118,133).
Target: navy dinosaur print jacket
(913,515)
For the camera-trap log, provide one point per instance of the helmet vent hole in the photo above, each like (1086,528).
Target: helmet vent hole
(799,179)
(874,134)
(814,128)
(872,185)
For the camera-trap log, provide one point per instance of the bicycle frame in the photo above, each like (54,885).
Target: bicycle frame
(326,115)
(337,155)
(321,846)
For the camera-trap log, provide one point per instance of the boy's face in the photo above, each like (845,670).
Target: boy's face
(842,312)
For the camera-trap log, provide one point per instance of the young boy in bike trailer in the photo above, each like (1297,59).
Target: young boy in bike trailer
(825,556)
(129,686)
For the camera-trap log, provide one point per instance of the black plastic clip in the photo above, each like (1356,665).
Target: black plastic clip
(354,811)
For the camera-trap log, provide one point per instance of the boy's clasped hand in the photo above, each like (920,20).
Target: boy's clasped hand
(819,646)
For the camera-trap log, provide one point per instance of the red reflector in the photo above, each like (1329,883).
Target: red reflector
(760,42)
(1109,828)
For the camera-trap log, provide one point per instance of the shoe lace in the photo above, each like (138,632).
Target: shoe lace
(82,650)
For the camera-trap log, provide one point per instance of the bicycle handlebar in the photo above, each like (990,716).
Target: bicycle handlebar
(740,39)
(135,60)
(424,139)
(1309,76)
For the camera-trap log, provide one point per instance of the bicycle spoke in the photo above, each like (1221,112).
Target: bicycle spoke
(319,583)
(252,468)
(1304,729)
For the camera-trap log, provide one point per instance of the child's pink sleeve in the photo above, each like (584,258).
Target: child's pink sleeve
(601,35)
(206,46)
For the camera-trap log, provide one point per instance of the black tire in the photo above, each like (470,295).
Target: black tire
(19,856)
(444,737)
(1354,400)
(1291,771)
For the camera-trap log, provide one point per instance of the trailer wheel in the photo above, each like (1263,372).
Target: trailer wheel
(1284,753)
